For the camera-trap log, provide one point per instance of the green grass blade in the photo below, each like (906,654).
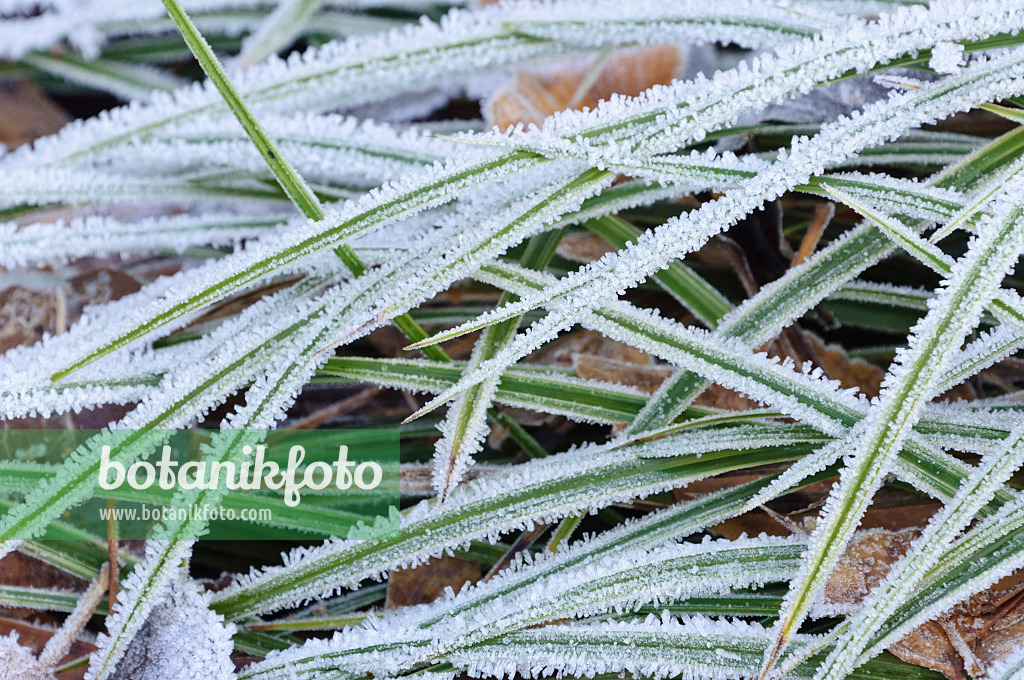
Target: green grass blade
(876,442)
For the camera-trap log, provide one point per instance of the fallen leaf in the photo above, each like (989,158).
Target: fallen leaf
(929,646)
(560,351)
(427,582)
(964,642)
(102,285)
(893,509)
(838,365)
(417,479)
(565,352)
(583,247)
(865,563)
(534,95)
(644,377)
(716,396)
(999,642)
(982,629)
(19,569)
(609,361)
(28,113)
(26,315)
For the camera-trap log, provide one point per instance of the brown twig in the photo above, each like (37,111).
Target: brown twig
(336,409)
(114,570)
(823,214)
(525,540)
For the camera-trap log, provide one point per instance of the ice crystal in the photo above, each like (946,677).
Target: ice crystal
(176,174)
(947,57)
(616,272)
(874,442)
(598,581)
(180,637)
(897,587)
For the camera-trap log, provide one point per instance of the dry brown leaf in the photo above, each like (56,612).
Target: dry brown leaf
(233,306)
(595,357)
(865,563)
(716,396)
(583,247)
(893,510)
(565,351)
(534,95)
(961,643)
(23,570)
(427,582)
(863,375)
(999,643)
(19,569)
(966,640)
(560,351)
(417,479)
(102,285)
(961,392)
(26,314)
(750,524)
(646,378)
(982,629)
(856,372)
(838,365)
(27,113)
(929,646)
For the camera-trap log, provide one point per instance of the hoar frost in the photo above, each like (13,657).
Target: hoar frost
(947,57)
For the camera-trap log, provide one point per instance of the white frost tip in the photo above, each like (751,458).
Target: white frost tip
(947,57)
